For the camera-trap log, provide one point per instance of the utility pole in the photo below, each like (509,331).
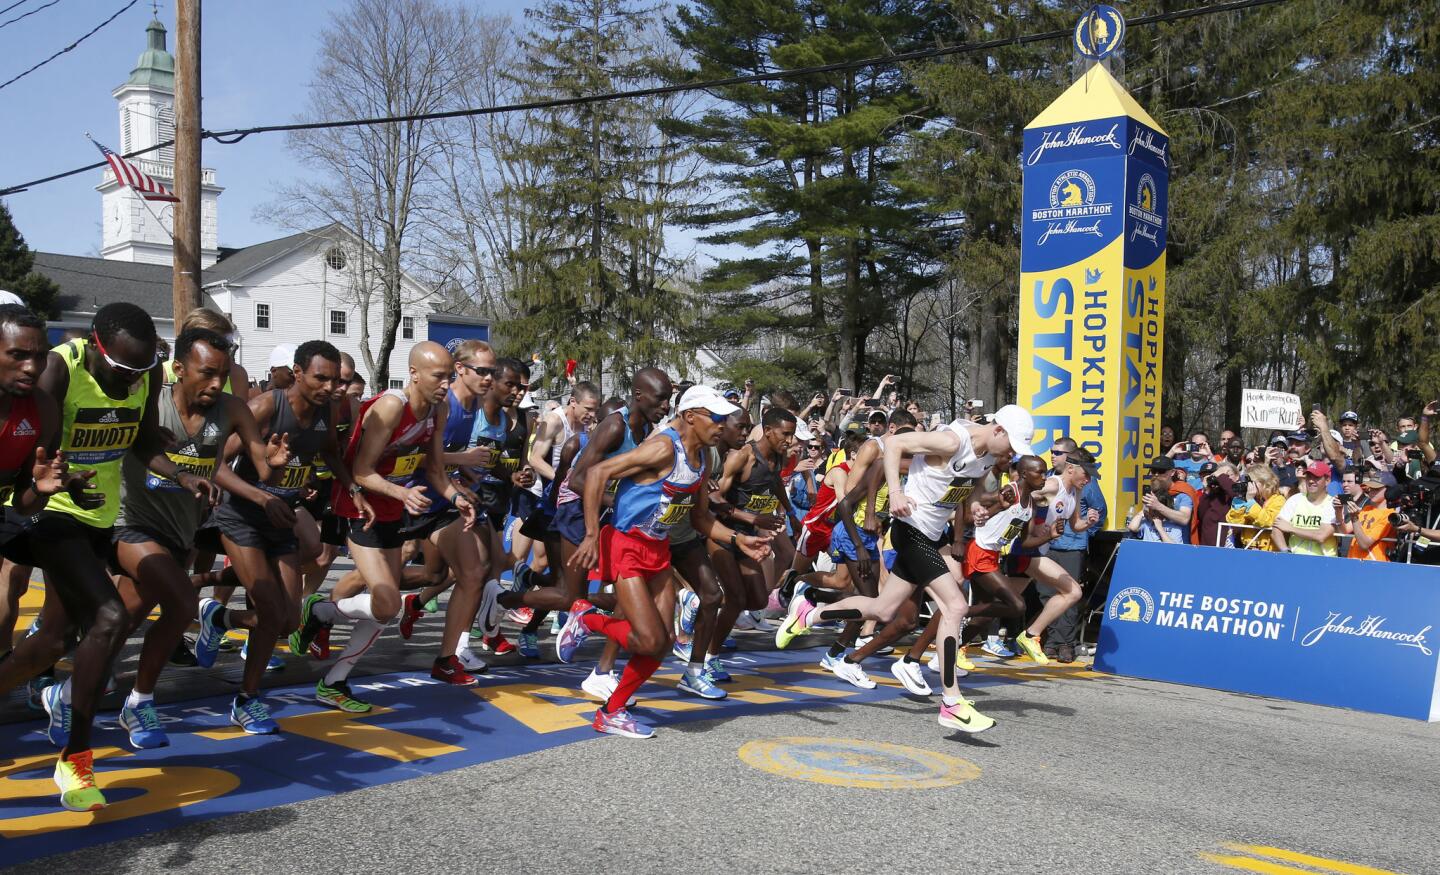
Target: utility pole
(186,232)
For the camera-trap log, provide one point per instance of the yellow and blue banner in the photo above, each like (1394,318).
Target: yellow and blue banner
(1092,280)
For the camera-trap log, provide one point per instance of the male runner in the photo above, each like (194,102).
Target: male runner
(756,494)
(256,526)
(724,562)
(661,481)
(944,466)
(317,503)
(155,531)
(399,433)
(106,388)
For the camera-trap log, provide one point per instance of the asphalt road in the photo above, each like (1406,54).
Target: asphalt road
(1083,773)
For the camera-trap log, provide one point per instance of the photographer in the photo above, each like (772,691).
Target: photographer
(1162,516)
(1350,436)
(1218,485)
(1307,521)
(1330,445)
(1366,516)
(1264,505)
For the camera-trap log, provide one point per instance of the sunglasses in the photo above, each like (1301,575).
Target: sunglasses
(717,418)
(123,368)
(1059,452)
(480,371)
(816,447)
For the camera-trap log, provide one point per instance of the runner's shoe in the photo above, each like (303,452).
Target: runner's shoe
(963,662)
(75,776)
(785,591)
(487,619)
(744,622)
(143,724)
(849,672)
(470,662)
(910,677)
(529,644)
(795,623)
(960,672)
(274,664)
(760,623)
(688,608)
(700,685)
(497,644)
(433,606)
(339,697)
(681,651)
(35,691)
(309,629)
(964,717)
(320,647)
(253,717)
(572,636)
(58,728)
(601,686)
(995,647)
(409,613)
(621,723)
(207,642)
(886,650)
(716,670)
(1032,648)
(182,655)
(449,670)
(520,616)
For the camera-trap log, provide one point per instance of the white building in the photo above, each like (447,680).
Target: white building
(302,287)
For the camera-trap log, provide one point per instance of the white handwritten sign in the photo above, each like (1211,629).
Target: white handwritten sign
(1261,408)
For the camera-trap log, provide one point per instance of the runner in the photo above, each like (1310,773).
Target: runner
(660,481)
(943,469)
(317,502)
(256,526)
(106,386)
(755,496)
(399,433)
(155,531)
(723,561)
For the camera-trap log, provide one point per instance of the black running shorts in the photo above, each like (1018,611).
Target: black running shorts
(917,558)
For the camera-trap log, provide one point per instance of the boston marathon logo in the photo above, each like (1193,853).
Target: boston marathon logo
(1370,627)
(1147,221)
(1132,605)
(1072,209)
(1099,32)
(1225,616)
(1077,135)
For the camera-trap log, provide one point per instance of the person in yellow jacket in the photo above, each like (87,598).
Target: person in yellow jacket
(1260,511)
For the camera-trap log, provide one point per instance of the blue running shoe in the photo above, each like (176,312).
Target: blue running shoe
(716,670)
(621,723)
(253,717)
(275,663)
(572,636)
(700,685)
(143,724)
(689,604)
(729,644)
(529,645)
(58,728)
(207,643)
(996,647)
(681,651)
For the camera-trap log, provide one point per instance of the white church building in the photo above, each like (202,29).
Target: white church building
(285,291)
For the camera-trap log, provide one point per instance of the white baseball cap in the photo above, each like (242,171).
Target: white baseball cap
(802,431)
(283,356)
(1019,425)
(527,402)
(705,398)
(10,298)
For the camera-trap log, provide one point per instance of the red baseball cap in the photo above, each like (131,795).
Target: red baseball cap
(1318,469)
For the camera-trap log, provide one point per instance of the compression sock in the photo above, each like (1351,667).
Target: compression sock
(637,671)
(695,668)
(836,649)
(615,629)
(536,619)
(362,638)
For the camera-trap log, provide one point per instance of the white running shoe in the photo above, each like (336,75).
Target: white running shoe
(849,672)
(864,640)
(744,622)
(934,665)
(760,623)
(909,675)
(471,662)
(602,686)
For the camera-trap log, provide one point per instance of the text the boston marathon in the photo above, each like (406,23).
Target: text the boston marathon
(1224,616)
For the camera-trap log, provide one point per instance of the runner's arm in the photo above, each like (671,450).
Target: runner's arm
(606,438)
(435,465)
(539,458)
(149,446)
(27,499)
(941,443)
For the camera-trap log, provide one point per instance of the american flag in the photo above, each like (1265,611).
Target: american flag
(129,174)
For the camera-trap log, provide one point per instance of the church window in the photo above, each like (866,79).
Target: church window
(335,258)
(338,321)
(262,315)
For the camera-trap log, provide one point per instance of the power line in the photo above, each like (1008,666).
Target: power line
(235,135)
(12,80)
(25,14)
(13,5)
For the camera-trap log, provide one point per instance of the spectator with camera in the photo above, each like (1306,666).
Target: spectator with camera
(1189,455)
(1264,502)
(1218,486)
(1306,523)
(1162,516)
(1332,449)
(1365,514)
(1350,437)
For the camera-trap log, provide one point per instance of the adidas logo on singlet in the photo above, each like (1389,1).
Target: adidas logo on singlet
(110,416)
(24,429)
(211,432)
(319,426)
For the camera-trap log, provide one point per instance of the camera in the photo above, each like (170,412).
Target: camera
(1212,482)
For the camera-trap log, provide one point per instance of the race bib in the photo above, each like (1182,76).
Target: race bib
(956,493)
(762,504)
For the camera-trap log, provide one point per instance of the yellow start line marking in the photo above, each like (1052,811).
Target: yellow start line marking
(1313,863)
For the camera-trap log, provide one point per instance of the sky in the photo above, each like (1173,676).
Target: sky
(256,61)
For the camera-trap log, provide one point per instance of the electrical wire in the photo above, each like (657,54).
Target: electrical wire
(94,30)
(235,135)
(4,24)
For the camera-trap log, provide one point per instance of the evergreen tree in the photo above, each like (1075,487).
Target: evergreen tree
(17,261)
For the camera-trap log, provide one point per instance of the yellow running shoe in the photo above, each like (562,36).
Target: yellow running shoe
(75,776)
(962,662)
(796,621)
(1032,648)
(963,716)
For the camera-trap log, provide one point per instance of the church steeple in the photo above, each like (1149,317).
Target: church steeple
(156,67)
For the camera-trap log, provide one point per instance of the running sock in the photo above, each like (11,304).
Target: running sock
(695,668)
(910,659)
(536,618)
(615,629)
(463,643)
(362,638)
(357,607)
(836,649)
(950,701)
(637,671)
(137,698)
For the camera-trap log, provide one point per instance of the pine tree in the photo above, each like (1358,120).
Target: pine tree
(17,261)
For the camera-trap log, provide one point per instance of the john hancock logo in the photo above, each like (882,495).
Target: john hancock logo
(1133,605)
(1072,208)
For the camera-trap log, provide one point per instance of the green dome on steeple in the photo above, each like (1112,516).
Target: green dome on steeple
(156,67)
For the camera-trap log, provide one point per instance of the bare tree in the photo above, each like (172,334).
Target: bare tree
(381,58)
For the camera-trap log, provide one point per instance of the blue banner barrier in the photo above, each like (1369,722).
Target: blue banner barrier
(1334,632)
